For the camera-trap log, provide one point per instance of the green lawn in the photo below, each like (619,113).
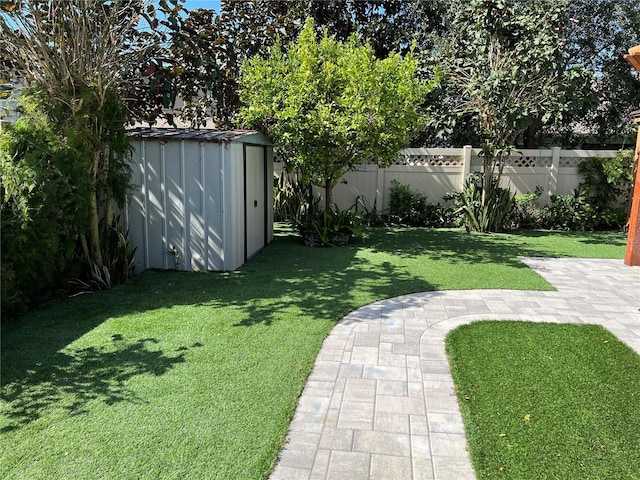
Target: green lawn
(543,401)
(195,375)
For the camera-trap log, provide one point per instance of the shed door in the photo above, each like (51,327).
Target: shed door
(255,198)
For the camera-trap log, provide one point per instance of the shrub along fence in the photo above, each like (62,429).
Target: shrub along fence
(436,171)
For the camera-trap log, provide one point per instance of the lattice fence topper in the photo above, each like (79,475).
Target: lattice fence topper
(518,161)
(430,160)
(521,161)
(573,162)
(278,155)
(529,161)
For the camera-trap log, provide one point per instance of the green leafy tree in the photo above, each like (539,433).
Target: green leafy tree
(331,105)
(389,25)
(591,34)
(505,63)
(206,48)
(80,54)
(198,78)
(599,33)
(64,164)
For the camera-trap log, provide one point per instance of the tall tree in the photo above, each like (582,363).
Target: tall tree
(593,34)
(504,61)
(331,105)
(206,51)
(79,54)
(599,33)
(207,48)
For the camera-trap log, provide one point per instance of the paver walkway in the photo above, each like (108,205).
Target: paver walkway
(380,404)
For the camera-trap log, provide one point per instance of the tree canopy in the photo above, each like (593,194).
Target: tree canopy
(331,105)
(207,48)
(577,43)
(507,71)
(599,33)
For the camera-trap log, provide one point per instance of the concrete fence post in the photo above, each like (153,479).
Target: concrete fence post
(380,181)
(554,172)
(467,150)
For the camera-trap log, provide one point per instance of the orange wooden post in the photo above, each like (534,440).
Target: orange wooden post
(632,255)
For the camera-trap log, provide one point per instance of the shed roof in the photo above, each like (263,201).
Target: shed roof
(204,135)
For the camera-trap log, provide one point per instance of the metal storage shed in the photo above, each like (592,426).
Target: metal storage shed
(201,197)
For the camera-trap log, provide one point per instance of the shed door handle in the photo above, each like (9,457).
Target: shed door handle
(255,204)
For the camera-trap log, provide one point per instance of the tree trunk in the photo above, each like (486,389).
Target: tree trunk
(487,172)
(94,231)
(108,199)
(85,245)
(529,136)
(94,217)
(328,194)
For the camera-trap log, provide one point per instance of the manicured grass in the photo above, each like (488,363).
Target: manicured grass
(196,375)
(547,401)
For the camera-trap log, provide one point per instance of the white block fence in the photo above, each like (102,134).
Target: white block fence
(436,171)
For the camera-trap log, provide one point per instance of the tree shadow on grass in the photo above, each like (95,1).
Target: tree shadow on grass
(285,281)
(325,283)
(332,282)
(72,378)
(320,282)
(331,292)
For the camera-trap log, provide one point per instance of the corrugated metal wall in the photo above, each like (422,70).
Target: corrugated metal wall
(190,199)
